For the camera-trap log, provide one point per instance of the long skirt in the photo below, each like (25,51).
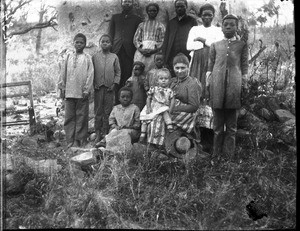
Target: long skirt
(156,129)
(199,66)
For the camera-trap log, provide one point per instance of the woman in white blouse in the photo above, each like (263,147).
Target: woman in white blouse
(199,40)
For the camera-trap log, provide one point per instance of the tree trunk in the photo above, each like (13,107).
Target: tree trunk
(39,33)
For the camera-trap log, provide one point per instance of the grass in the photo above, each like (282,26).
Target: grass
(160,194)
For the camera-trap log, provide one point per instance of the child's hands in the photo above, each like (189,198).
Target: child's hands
(85,95)
(112,88)
(149,110)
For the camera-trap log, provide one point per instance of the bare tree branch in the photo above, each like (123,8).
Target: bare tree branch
(49,23)
(10,11)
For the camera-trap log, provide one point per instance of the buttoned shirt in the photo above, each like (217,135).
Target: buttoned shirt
(107,69)
(76,75)
(125,116)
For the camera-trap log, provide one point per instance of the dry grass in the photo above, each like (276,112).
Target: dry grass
(162,194)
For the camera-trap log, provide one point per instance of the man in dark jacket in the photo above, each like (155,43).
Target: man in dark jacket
(177,33)
(122,28)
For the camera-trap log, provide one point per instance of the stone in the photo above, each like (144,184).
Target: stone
(29,142)
(288,131)
(266,114)
(14,183)
(85,158)
(118,141)
(284,115)
(273,104)
(47,167)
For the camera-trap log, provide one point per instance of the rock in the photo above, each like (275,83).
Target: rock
(15,182)
(288,131)
(251,122)
(47,167)
(284,115)
(85,158)
(273,104)
(266,114)
(118,141)
(30,142)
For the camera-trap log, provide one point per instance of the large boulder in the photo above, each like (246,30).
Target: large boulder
(87,158)
(284,115)
(118,141)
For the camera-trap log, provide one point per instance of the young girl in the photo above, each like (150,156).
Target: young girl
(151,76)
(107,76)
(125,115)
(160,100)
(136,83)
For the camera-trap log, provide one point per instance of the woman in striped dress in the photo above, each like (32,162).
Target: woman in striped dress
(149,37)
(187,91)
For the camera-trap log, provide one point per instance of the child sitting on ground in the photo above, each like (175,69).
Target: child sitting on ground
(160,100)
(125,115)
(151,76)
(136,83)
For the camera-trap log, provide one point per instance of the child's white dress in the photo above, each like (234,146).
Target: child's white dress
(161,99)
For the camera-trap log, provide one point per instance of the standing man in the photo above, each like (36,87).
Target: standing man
(177,33)
(122,28)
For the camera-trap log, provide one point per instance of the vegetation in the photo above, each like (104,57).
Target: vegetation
(145,191)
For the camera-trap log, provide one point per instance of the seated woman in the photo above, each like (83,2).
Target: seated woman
(187,94)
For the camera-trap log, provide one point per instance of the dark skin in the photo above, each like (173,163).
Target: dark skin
(125,98)
(127,5)
(207,17)
(180,8)
(79,44)
(106,44)
(152,13)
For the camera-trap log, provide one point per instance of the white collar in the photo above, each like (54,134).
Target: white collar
(231,39)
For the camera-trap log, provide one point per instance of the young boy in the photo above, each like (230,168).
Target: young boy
(151,77)
(107,76)
(227,71)
(75,83)
(136,83)
(125,115)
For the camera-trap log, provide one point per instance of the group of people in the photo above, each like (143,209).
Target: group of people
(150,79)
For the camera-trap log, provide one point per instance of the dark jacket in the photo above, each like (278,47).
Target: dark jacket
(174,27)
(122,29)
(231,58)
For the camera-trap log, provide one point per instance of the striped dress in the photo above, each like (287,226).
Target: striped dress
(149,35)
